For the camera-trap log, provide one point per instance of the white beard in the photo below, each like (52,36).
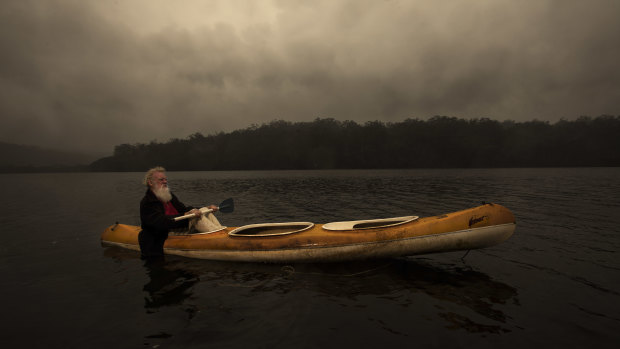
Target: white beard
(163,194)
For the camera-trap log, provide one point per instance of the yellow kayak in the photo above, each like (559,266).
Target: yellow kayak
(473,228)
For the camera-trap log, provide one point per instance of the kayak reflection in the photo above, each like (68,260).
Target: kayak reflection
(451,293)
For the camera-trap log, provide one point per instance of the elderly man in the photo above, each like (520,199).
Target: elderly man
(158,209)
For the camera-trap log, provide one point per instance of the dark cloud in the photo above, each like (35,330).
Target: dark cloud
(89,75)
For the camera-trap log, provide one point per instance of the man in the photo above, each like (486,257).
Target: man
(157,211)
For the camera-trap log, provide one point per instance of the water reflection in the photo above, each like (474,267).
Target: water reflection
(460,297)
(167,285)
(399,280)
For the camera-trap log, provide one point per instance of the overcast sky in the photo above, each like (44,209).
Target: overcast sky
(89,75)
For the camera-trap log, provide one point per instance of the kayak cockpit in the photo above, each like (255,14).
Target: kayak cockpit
(369,223)
(271,229)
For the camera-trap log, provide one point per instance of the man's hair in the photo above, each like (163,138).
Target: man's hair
(149,174)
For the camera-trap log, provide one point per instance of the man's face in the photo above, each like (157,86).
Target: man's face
(159,180)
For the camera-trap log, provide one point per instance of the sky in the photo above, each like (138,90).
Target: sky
(87,75)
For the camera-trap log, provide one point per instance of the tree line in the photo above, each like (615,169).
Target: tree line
(439,142)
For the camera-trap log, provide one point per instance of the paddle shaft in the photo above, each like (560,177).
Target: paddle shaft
(226,206)
(203,210)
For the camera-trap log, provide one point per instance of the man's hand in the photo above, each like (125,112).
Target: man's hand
(196,212)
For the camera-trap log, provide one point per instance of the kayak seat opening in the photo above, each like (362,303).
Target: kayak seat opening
(369,223)
(271,229)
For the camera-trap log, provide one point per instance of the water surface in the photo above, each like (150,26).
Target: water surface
(555,282)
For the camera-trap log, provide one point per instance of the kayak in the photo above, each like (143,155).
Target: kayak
(473,228)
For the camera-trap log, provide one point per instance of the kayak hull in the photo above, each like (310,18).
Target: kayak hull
(473,228)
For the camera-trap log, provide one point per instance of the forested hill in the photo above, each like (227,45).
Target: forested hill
(24,158)
(440,142)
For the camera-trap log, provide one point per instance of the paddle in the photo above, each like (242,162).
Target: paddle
(226,206)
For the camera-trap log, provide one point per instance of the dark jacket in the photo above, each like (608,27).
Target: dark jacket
(153,217)
(156,224)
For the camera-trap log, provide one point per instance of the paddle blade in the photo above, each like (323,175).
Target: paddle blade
(227,206)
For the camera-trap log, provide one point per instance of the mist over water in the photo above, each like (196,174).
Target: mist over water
(555,281)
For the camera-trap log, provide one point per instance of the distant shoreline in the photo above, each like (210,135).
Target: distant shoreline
(86,169)
(328,144)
